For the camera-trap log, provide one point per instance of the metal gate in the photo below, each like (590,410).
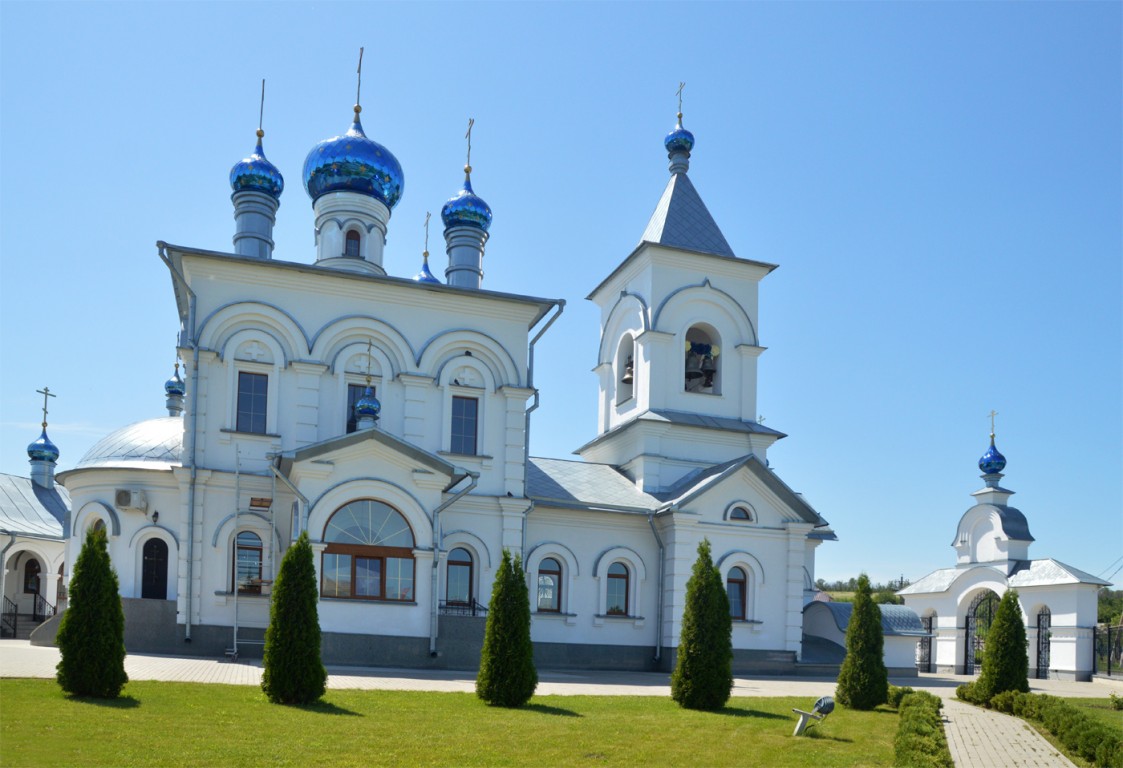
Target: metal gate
(980,615)
(1044,621)
(924,660)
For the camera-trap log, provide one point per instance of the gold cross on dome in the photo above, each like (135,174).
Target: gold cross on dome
(681,85)
(468,136)
(992,414)
(45,392)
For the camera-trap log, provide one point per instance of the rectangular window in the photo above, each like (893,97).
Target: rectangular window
(465,415)
(337,575)
(253,391)
(459,583)
(354,392)
(399,578)
(368,577)
(617,604)
(736,590)
(547,593)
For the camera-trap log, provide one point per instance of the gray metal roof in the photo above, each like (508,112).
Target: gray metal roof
(681,220)
(1040,573)
(30,510)
(583,484)
(1014,523)
(394,443)
(151,444)
(895,619)
(661,415)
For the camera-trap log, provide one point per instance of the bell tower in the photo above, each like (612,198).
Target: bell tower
(677,361)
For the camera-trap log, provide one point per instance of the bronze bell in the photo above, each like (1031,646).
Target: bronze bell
(629,372)
(709,368)
(693,367)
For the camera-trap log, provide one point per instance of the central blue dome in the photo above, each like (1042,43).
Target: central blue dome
(467,209)
(256,174)
(354,163)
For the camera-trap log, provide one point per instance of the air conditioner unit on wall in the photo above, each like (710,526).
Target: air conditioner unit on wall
(130,499)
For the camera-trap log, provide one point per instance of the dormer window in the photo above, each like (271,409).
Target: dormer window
(741,513)
(351,248)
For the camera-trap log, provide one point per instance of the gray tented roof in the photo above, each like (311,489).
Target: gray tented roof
(1022,573)
(681,220)
(895,619)
(28,509)
(151,444)
(560,482)
(1014,523)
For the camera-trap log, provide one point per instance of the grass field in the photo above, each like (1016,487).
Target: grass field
(157,724)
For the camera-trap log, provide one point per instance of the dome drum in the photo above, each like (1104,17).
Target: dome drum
(339,213)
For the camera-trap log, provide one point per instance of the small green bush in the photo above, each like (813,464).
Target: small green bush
(293,671)
(1004,702)
(920,740)
(91,635)
(507,676)
(703,674)
(896,694)
(971,693)
(1116,701)
(863,681)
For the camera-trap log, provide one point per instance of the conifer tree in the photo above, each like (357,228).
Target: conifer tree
(91,635)
(863,681)
(703,674)
(1005,657)
(507,675)
(294,672)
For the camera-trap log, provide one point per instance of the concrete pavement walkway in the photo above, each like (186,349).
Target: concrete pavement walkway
(977,738)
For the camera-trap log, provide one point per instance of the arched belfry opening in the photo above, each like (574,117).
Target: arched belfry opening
(701,366)
(625,370)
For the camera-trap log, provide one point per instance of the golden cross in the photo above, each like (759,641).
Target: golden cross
(681,85)
(993,413)
(468,136)
(261,112)
(45,392)
(428,214)
(369,343)
(359,71)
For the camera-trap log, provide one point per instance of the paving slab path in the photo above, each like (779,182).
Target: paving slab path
(978,738)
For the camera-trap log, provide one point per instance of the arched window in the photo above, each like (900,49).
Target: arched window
(31,571)
(351,249)
(736,586)
(616,603)
(702,371)
(549,585)
(458,585)
(741,513)
(247,563)
(99,525)
(369,553)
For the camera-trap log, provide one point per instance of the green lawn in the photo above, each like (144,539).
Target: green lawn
(209,725)
(1101,710)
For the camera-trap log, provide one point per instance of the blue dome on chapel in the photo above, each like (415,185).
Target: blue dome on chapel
(426,275)
(368,405)
(256,174)
(467,209)
(354,163)
(42,449)
(175,385)
(679,140)
(992,461)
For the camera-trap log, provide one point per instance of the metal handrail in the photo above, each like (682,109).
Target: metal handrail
(9,617)
(42,609)
(470,608)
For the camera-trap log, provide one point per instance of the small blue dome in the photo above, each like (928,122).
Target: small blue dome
(256,174)
(175,385)
(426,276)
(992,461)
(42,449)
(679,140)
(467,209)
(368,405)
(354,163)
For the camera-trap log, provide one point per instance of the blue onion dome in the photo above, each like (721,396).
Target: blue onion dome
(368,405)
(679,140)
(256,174)
(354,163)
(425,275)
(175,385)
(42,449)
(467,209)
(992,461)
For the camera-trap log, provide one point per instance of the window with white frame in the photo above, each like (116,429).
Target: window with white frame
(464,438)
(458,581)
(616,598)
(549,586)
(253,394)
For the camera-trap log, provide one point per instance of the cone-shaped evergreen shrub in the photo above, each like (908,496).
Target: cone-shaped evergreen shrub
(91,635)
(703,675)
(507,675)
(863,681)
(1005,658)
(294,672)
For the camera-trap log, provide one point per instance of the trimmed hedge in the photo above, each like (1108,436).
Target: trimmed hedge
(1080,733)
(920,739)
(896,694)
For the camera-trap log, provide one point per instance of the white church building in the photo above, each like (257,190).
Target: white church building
(956,605)
(388,417)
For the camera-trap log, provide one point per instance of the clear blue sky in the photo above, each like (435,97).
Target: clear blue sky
(939,183)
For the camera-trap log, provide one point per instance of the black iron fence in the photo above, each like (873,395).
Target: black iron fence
(8,619)
(470,608)
(1108,656)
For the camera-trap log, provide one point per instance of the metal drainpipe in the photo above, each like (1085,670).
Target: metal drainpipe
(161,247)
(530,381)
(435,592)
(659,602)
